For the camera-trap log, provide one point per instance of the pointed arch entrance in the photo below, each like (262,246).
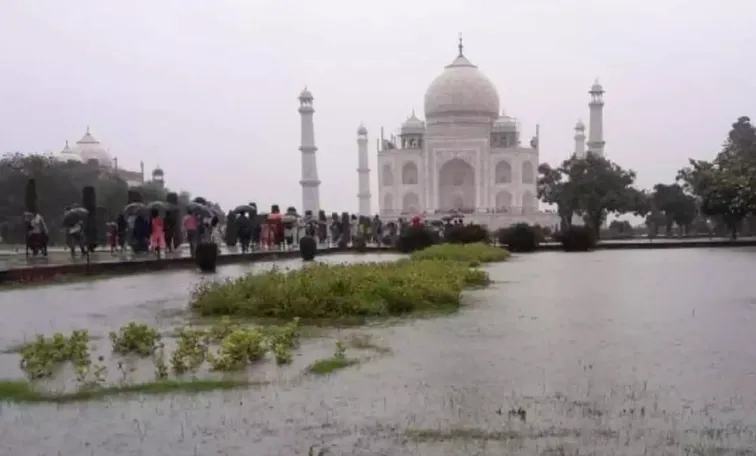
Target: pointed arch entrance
(456,185)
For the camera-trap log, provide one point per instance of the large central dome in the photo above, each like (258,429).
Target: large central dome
(461,90)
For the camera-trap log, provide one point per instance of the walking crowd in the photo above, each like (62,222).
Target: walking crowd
(155,229)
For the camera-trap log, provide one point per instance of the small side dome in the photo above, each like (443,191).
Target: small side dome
(157,172)
(306,95)
(362,130)
(413,125)
(505,124)
(69,155)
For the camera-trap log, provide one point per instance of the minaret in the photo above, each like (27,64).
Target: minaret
(363,171)
(309,182)
(579,139)
(596,106)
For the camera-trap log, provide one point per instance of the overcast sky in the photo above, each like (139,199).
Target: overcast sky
(208,89)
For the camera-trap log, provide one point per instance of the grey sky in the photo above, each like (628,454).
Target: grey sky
(208,89)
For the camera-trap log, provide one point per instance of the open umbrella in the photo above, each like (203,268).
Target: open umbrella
(200,209)
(245,208)
(74,215)
(161,206)
(134,209)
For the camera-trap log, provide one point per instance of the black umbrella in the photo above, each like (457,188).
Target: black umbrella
(75,215)
(200,209)
(245,208)
(134,209)
(199,200)
(162,206)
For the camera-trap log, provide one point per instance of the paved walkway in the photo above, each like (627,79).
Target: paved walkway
(12,259)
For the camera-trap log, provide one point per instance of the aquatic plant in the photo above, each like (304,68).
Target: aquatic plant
(337,292)
(191,350)
(472,254)
(339,360)
(135,338)
(42,357)
(239,348)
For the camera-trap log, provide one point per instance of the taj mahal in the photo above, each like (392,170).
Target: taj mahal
(466,156)
(90,150)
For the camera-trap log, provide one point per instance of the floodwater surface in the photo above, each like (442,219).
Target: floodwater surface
(609,353)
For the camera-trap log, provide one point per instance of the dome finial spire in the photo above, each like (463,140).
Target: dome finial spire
(461,46)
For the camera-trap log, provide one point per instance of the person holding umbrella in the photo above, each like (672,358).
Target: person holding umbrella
(243,227)
(189,226)
(157,233)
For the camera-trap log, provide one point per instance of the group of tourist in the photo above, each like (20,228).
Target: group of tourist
(161,232)
(157,232)
(284,231)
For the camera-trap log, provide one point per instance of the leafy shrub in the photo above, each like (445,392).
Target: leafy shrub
(472,254)
(520,237)
(308,248)
(577,239)
(42,357)
(416,238)
(324,291)
(135,338)
(466,234)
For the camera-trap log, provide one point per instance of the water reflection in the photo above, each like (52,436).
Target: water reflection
(611,353)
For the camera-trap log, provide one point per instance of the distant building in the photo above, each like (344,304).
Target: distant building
(88,150)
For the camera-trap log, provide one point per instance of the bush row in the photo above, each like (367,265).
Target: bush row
(517,238)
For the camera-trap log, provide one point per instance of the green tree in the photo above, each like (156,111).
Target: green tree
(726,187)
(675,207)
(58,185)
(591,187)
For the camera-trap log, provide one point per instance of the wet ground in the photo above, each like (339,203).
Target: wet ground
(607,353)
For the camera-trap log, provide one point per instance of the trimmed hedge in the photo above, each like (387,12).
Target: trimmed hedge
(520,237)
(466,234)
(577,239)
(415,238)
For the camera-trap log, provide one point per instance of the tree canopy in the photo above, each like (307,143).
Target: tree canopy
(725,187)
(590,187)
(58,185)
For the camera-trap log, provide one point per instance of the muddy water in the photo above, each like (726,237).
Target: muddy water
(610,353)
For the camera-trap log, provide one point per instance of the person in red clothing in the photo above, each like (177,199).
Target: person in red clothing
(157,236)
(189,227)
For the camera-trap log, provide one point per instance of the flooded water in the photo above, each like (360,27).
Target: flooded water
(607,353)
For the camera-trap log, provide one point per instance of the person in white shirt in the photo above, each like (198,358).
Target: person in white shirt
(216,236)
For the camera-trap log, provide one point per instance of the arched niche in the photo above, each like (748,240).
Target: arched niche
(409,174)
(503,200)
(388,202)
(411,202)
(503,172)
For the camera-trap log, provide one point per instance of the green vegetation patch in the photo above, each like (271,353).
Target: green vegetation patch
(339,360)
(20,391)
(472,254)
(335,292)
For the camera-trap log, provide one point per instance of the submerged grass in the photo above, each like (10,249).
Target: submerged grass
(337,292)
(473,254)
(20,391)
(327,365)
